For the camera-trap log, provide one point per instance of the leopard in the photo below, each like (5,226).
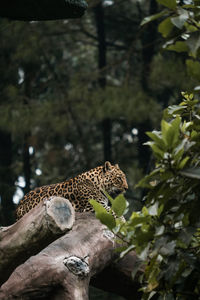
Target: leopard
(94,184)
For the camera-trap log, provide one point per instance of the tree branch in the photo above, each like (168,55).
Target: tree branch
(37,229)
(64,269)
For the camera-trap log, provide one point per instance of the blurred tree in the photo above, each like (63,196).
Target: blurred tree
(101,38)
(7,91)
(6,179)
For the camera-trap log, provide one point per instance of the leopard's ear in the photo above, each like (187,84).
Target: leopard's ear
(116,165)
(107,166)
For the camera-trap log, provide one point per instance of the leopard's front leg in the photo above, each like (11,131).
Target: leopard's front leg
(108,208)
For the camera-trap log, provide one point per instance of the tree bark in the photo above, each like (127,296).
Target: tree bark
(64,269)
(37,229)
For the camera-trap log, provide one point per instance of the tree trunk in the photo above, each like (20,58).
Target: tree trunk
(149,44)
(29,74)
(6,179)
(107,136)
(26,164)
(101,37)
(64,269)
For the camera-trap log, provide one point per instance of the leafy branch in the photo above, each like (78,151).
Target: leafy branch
(165,233)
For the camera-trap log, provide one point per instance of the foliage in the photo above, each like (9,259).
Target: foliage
(165,233)
(180,26)
(181,29)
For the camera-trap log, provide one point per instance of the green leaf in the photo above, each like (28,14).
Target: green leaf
(160,209)
(178,47)
(128,249)
(175,131)
(143,238)
(193,42)
(97,206)
(102,214)
(119,205)
(183,162)
(145,211)
(153,17)
(159,153)
(165,27)
(170,132)
(168,248)
(159,230)
(185,126)
(165,127)
(181,19)
(157,138)
(153,209)
(137,220)
(106,219)
(175,109)
(190,28)
(179,150)
(168,3)
(191,173)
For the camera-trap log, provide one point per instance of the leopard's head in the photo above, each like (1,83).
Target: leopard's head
(114,180)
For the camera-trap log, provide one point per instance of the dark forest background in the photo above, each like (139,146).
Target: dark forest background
(74,93)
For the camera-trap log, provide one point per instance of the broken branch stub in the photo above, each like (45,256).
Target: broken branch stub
(60,214)
(33,232)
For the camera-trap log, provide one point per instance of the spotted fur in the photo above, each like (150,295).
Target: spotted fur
(78,190)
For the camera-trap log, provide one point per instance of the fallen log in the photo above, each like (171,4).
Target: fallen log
(32,233)
(64,269)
